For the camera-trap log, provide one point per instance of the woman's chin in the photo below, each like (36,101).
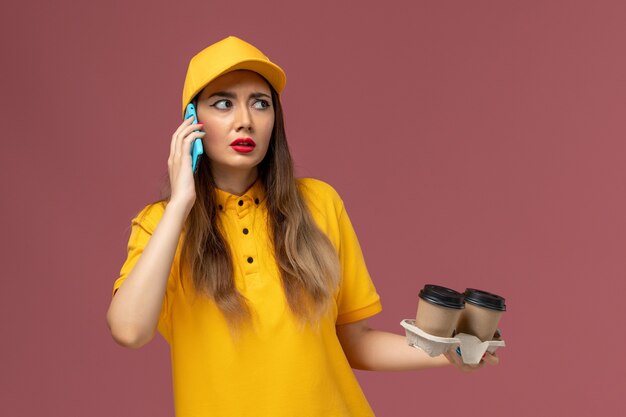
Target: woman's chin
(236,166)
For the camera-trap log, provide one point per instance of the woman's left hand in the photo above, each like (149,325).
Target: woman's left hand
(455,359)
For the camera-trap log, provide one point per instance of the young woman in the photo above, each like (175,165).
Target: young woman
(255,278)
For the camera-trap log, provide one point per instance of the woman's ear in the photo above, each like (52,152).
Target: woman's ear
(194,100)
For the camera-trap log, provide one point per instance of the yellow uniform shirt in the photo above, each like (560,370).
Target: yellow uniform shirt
(276,368)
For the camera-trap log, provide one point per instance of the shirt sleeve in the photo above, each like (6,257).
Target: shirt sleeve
(142,228)
(357,298)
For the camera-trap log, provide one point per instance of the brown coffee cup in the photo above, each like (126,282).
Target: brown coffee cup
(481,314)
(438,310)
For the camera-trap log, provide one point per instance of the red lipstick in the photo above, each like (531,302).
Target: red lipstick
(243,145)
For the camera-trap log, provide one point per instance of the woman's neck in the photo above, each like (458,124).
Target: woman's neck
(235,182)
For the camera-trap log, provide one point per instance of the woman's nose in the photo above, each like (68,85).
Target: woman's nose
(243,119)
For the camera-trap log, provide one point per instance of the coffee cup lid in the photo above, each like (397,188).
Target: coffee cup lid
(442,296)
(484,299)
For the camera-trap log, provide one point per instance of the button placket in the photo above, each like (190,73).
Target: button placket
(247,212)
(242,205)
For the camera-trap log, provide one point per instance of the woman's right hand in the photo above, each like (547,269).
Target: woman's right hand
(179,163)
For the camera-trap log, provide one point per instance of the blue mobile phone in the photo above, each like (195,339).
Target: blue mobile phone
(196,147)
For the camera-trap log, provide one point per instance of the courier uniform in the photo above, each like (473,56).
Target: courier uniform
(276,367)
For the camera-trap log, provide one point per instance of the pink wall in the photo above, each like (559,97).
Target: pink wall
(475,143)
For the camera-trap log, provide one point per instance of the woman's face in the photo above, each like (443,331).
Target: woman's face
(238,116)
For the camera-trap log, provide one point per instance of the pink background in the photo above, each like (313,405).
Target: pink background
(475,143)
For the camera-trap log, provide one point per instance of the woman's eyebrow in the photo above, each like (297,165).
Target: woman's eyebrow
(259,95)
(226,94)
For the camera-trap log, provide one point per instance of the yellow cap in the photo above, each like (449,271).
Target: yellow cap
(227,55)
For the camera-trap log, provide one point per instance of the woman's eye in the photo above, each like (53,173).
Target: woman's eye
(222,104)
(261,104)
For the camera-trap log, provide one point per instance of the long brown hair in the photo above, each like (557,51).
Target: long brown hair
(306,258)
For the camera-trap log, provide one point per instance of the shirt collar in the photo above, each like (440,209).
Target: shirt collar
(254,196)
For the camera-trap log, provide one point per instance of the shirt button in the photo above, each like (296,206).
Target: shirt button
(240,202)
(250,260)
(245,231)
(256,201)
